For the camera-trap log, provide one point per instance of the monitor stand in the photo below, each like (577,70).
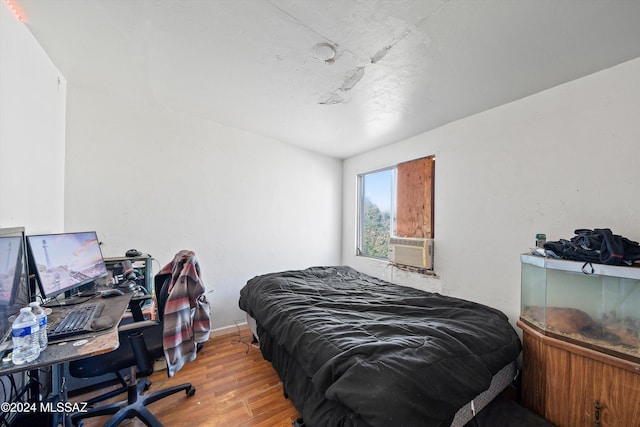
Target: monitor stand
(74,297)
(87,290)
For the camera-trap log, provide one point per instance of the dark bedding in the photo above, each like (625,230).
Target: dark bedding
(353,350)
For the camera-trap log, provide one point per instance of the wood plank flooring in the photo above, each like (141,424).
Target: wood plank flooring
(234,385)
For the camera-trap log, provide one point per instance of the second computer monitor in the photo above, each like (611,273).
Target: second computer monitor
(66,261)
(14,286)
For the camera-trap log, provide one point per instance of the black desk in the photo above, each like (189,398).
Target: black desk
(77,347)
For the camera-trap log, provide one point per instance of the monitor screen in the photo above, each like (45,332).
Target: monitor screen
(14,282)
(64,262)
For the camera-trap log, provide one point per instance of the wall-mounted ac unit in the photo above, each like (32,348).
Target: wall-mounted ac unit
(411,251)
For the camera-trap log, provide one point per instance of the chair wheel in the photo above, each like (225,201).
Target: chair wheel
(191,391)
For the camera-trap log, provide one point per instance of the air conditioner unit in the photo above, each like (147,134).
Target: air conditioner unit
(411,251)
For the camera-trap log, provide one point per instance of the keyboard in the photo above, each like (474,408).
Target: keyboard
(75,321)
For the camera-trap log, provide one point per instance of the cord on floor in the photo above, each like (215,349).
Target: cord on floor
(239,340)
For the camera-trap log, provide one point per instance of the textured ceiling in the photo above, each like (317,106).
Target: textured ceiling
(401,67)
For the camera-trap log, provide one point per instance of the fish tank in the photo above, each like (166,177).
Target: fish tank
(593,305)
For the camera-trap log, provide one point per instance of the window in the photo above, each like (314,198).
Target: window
(395,202)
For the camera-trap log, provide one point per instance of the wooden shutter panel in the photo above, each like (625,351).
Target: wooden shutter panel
(414,198)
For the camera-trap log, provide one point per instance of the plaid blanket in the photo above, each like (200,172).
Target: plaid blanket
(186,319)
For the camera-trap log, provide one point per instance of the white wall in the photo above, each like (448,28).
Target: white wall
(32,131)
(556,161)
(161,181)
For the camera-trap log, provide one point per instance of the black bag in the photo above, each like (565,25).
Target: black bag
(599,245)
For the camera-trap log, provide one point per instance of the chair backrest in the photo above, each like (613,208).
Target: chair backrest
(161,286)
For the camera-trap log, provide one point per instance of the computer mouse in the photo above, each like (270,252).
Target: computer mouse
(104,322)
(110,293)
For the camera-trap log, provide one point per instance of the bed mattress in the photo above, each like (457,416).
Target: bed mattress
(353,350)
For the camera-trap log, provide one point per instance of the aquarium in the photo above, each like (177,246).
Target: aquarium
(593,305)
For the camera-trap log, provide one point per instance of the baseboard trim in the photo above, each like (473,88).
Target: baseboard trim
(232,329)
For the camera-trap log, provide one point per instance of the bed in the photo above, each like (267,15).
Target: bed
(354,350)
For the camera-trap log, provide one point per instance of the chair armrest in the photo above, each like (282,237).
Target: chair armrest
(134,326)
(136,306)
(141,298)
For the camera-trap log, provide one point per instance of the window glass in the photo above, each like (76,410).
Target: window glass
(375,216)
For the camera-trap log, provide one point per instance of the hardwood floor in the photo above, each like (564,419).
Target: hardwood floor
(234,385)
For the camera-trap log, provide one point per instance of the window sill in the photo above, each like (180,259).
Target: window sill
(416,270)
(407,268)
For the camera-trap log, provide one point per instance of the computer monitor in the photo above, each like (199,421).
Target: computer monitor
(65,262)
(14,281)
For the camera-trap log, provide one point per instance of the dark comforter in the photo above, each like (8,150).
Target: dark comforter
(354,350)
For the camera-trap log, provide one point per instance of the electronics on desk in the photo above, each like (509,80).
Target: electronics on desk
(130,272)
(68,264)
(65,262)
(110,293)
(80,320)
(14,284)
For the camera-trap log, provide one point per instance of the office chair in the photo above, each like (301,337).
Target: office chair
(140,345)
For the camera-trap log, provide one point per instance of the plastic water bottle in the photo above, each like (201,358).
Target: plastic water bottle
(41,318)
(25,337)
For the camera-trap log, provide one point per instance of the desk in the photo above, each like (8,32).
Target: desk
(78,347)
(96,342)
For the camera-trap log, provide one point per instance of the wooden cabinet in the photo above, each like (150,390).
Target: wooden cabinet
(572,386)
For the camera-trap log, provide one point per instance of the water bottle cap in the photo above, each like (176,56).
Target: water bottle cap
(25,310)
(34,304)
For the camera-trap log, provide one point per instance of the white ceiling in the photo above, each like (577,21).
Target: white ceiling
(402,67)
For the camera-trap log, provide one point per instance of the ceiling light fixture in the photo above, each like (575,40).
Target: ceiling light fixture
(325,52)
